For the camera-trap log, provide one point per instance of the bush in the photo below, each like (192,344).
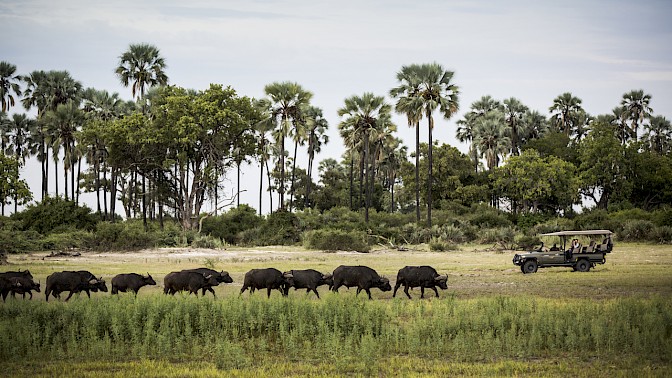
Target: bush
(280,228)
(553,225)
(67,240)
(637,230)
(662,235)
(336,240)
(54,214)
(526,242)
(439,245)
(504,236)
(487,217)
(227,226)
(13,241)
(206,241)
(129,235)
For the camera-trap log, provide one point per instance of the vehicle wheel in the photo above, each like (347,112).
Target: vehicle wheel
(530,266)
(583,265)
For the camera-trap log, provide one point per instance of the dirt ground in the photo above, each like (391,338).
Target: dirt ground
(473,270)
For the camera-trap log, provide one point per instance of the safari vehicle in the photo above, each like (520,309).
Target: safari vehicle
(578,257)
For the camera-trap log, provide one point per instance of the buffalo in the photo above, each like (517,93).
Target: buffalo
(309,279)
(269,278)
(221,277)
(361,276)
(23,286)
(74,282)
(420,276)
(130,282)
(6,283)
(188,281)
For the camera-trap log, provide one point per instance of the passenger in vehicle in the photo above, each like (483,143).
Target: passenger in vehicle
(555,247)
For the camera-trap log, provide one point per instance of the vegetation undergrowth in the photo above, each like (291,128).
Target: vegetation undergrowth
(357,336)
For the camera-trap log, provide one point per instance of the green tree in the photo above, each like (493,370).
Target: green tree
(334,191)
(9,83)
(564,112)
(491,136)
(466,126)
(367,116)
(199,132)
(533,183)
(18,130)
(603,165)
(658,136)
(287,101)
(11,187)
(64,122)
(317,136)
(264,126)
(141,66)
(514,113)
(410,103)
(636,106)
(437,91)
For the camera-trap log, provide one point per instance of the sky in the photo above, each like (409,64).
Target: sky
(530,50)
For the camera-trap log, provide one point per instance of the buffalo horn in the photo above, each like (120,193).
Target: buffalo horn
(208,277)
(93,281)
(441,277)
(325,276)
(287,275)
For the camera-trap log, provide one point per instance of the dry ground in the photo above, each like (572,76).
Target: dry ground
(631,270)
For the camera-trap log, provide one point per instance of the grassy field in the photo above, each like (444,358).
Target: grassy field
(493,320)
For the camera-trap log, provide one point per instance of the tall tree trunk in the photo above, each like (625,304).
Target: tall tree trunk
(429,176)
(310,179)
(417,171)
(238,189)
(105,189)
(79,173)
(362,160)
(291,190)
(281,189)
(367,195)
(56,175)
(144,205)
(270,191)
(352,169)
(261,182)
(113,195)
(96,169)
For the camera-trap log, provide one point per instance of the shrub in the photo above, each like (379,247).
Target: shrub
(67,240)
(227,226)
(439,245)
(334,239)
(14,241)
(280,228)
(487,217)
(662,235)
(129,235)
(553,225)
(55,213)
(503,235)
(636,230)
(527,242)
(206,241)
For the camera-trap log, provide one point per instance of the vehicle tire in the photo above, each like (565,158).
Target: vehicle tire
(582,265)
(530,266)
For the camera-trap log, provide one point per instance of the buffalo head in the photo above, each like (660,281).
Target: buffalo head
(384,284)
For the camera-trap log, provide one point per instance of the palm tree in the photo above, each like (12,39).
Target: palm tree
(8,84)
(534,126)
(287,100)
(141,66)
(410,103)
(514,111)
(265,125)
(437,92)
(564,111)
(466,126)
(619,118)
(46,91)
(637,108)
(365,116)
(65,121)
(299,134)
(317,136)
(491,137)
(659,135)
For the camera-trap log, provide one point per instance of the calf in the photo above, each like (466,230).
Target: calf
(309,279)
(130,282)
(269,278)
(221,277)
(420,276)
(361,276)
(187,281)
(23,286)
(5,278)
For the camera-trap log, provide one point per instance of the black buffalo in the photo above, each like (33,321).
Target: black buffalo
(420,276)
(188,281)
(23,286)
(221,277)
(361,276)
(130,282)
(6,282)
(269,279)
(74,282)
(309,279)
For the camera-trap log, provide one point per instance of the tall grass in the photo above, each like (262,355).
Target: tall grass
(234,332)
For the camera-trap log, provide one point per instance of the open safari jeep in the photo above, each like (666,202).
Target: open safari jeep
(579,250)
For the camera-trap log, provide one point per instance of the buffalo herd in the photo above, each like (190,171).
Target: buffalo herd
(204,279)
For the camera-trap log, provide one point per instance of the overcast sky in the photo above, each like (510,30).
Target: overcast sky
(531,50)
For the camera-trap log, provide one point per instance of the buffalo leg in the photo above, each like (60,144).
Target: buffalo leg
(72,292)
(406,292)
(268,292)
(422,291)
(396,287)
(436,291)
(368,292)
(359,289)
(316,293)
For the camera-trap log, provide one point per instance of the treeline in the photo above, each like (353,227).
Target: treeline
(57,224)
(165,155)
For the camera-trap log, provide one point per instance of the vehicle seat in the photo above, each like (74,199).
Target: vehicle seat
(589,249)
